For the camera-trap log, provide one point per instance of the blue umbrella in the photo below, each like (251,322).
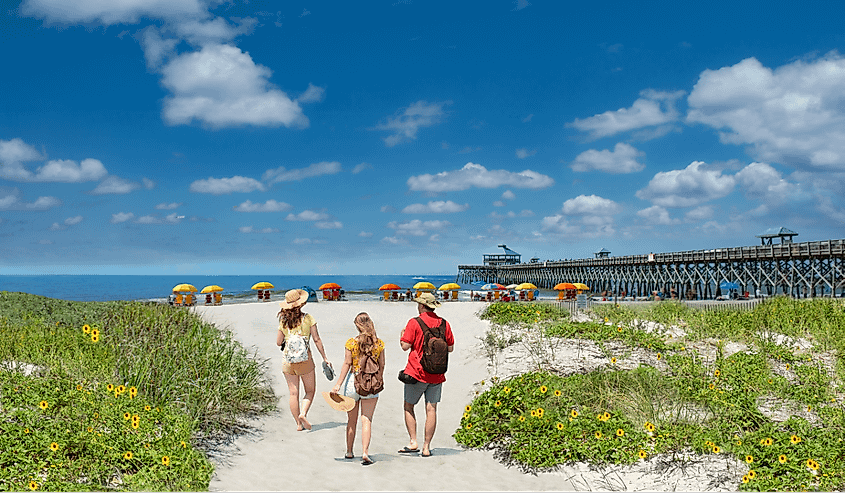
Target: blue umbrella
(729,285)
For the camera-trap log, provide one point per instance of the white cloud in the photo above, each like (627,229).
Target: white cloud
(12,154)
(524,153)
(438,207)
(269,206)
(406,124)
(115,185)
(121,217)
(558,223)
(250,229)
(623,159)
(67,222)
(328,224)
(591,205)
(307,215)
(512,214)
(312,94)
(392,240)
(148,184)
(221,186)
(826,207)
(10,200)
(794,114)
(110,12)
(657,215)
(164,206)
(388,208)
(152,219)
(508,195)
(67,171)
(365,234)
(361,167)
(688,187)
(700,213)
(281,174)
(763,182)
(417,227)
(499,203)
(156,48)
(651,109)
(221,86)
(476,175)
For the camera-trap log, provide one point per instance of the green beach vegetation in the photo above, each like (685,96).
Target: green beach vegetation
(117,395)
(765,386)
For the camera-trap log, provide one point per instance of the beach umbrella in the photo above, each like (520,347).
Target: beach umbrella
(262,285)
(491,286)
(424,285)
(581,286)
(211,289)
(329,285)
(563,286)
(525,285)
(449,286)
(181,288)
(511,286)
(388,287)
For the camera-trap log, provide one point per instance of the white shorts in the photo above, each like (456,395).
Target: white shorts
(347,388)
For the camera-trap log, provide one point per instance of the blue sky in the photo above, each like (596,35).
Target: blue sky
(409,136)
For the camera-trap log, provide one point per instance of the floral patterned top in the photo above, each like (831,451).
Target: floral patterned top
(352,346)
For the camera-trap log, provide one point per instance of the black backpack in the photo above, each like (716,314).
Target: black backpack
(435,354)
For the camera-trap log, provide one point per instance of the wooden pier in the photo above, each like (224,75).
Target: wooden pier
(808,269)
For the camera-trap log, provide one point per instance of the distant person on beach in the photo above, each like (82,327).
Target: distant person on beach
(438,335)
(366,343)
(172,298)
(294,323)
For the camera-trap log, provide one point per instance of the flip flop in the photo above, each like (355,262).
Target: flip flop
(365,461)
(406,450)
(426,455)
(349,456)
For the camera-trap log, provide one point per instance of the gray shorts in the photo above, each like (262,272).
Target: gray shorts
(414,391)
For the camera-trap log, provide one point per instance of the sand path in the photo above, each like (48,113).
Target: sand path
(278,458)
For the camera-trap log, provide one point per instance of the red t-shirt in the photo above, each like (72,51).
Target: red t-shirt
(414,336)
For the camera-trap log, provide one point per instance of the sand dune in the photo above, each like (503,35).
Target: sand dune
(278,458)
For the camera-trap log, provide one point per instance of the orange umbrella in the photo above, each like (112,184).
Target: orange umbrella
(389,286)
(330,285)
(564,285)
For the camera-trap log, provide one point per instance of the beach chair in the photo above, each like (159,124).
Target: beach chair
(522,296)
(260,295)
(489,296)
(454,295)
(267,295)
(189,300)
(387,296)
(530,295)
(208,299)
(496,295)
(218,298)
(178,301)
(560,295)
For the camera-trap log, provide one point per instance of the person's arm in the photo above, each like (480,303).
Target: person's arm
(318,342)
(381,365)
(405,345)
(451,348)
(347,363)
(280,337)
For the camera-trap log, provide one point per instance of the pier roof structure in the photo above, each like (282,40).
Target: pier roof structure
(784,234)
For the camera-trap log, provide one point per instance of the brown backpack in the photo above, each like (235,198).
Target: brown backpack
(368,380)
(435,354)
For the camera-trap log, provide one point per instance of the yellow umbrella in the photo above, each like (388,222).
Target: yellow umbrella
(525,285)
(449,286)
(424,285)
(564,286)
(581,286)
(211,289)
(262,285)
(180,288)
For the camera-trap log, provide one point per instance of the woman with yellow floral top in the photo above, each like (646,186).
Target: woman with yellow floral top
(366,342)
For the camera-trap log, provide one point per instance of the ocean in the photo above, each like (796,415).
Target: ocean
(236,289)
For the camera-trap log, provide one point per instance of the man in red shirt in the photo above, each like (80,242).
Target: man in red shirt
(429,384)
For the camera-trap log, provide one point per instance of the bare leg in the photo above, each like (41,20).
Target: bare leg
(411,425)
(368,408)
(351,425)
(293,391)
(309,381)
(430,425)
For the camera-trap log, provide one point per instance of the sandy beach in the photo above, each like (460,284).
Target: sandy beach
(278,458)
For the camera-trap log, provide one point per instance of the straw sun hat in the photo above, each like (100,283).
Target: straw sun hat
(294,298)
(339,402)
(428,300)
